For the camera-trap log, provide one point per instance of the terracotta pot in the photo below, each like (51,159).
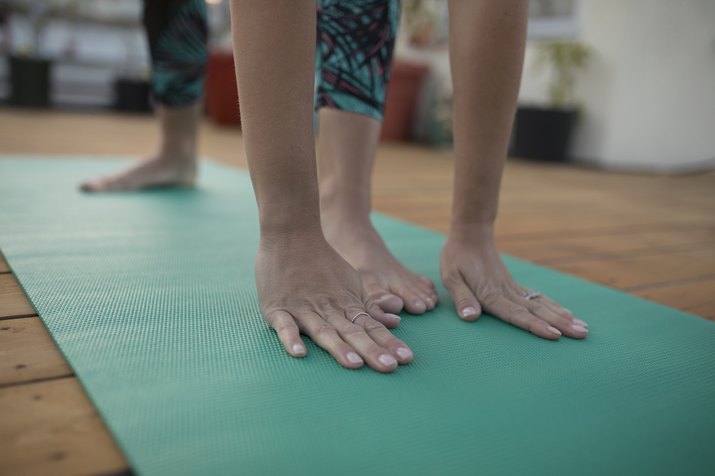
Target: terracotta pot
(221,90)
(402,95)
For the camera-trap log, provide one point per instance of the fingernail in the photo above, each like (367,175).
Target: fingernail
(298,349)
(469,311)
(580,322)
(353,358)
(387,360)
(403,352)
(393,316)
(554,330)
(568,310)
(579,328)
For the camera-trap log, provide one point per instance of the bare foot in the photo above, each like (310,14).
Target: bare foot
(390,284)
(158,171)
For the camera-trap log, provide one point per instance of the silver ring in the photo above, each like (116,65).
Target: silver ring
(529,295)
(361,313)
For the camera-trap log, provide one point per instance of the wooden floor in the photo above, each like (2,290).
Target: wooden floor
(652,236)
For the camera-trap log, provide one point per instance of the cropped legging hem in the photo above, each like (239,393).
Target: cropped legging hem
(355,42)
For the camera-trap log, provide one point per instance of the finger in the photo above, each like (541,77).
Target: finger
(387,318)
(466,304)
(562,311)
(519,316)
(562,322)
(384,338)
(327,337)
(554,307)
(288,332)
(354,334)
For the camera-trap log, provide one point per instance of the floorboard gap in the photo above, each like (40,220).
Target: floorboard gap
(665,284)
(17,316)
(36,380)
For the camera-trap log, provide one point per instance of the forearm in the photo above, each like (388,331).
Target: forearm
(274,48)
(486,51)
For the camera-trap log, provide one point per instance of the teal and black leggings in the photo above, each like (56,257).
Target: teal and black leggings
(355,41)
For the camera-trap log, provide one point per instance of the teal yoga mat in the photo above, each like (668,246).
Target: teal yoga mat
(151,298)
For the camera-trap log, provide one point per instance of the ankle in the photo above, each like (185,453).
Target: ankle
(178,153)
(336,217)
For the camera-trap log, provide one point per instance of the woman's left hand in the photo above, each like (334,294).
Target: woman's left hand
(477,279)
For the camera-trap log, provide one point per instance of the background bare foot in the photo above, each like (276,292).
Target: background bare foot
(158,171)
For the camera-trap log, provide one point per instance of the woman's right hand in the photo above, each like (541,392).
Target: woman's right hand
(306,287)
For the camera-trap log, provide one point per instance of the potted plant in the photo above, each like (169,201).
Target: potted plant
(29,70)
(544,132)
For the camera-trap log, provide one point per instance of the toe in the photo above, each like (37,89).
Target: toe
(414,304)
(91,186)
(388,302)
(426,283)
(427,291)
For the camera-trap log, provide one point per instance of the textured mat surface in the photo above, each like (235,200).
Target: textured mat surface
(151,298)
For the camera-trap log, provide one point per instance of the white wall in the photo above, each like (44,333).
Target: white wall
(649,92)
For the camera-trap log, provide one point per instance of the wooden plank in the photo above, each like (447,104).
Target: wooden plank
(52,428)
(705,310)
(696,297)
(4,268)
(632,271)
(552,249)
(28,353)
(13,301)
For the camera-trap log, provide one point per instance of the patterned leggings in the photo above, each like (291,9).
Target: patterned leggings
(355,41)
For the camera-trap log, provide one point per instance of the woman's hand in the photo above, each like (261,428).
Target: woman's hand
(477,279)
(304,286)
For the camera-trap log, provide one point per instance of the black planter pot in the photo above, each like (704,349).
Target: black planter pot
(29,82)
(543,134)
(132,95)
